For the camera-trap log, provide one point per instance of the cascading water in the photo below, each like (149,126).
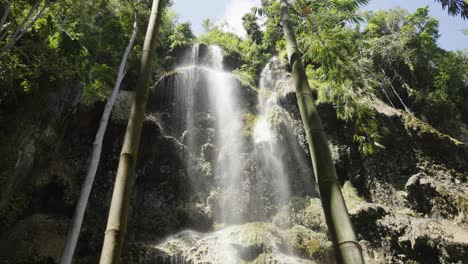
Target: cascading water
(241,179)
(277,139)
(223,97)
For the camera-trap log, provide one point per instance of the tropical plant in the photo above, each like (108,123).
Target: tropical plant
(455,7)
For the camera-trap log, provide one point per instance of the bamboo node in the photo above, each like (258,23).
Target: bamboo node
(112,229)
(314,131)
(304,94)
(348,243)
(328,180)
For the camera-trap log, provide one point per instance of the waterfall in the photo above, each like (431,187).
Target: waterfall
(268,148)
(247,178)
(222,91)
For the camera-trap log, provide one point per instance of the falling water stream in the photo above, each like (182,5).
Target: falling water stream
(251,176)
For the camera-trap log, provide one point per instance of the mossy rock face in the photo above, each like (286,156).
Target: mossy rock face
(250,121)
(248,243)
(426,131)
(312,245)
(436,144)
(310,215)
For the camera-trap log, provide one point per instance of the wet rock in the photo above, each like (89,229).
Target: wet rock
(312,245)
(208,152)
(249,253)
(253,242)
(428,197)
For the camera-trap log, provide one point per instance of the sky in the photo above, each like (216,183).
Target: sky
(231,11)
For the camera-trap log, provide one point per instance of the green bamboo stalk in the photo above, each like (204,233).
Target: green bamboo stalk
(344,239)
(118,214)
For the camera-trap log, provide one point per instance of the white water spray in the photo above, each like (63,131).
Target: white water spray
(252,179)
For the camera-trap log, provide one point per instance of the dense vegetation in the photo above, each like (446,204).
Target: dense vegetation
(352,57)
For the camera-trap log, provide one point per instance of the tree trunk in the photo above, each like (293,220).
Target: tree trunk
(75,225)
(28,27)
(118,214)
(343,237)
(5,14)
(20,27)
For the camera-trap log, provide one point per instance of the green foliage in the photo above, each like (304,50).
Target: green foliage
(311,244)
(336,66)
(79,43)
(249,21)
(455,7)
(94,92)
(350,195)
(250,51)
(215,35)
(394,57)
(417,73)
(182,35)
(246,75)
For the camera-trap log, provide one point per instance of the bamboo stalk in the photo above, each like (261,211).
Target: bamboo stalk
(118,214)
(344,239)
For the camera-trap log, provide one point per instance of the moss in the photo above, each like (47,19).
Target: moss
(275,119)
(205,169)
(266,257)
(257,234)
(350,195)
(310,244)
(421,128)
(249,124)
(308,212)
